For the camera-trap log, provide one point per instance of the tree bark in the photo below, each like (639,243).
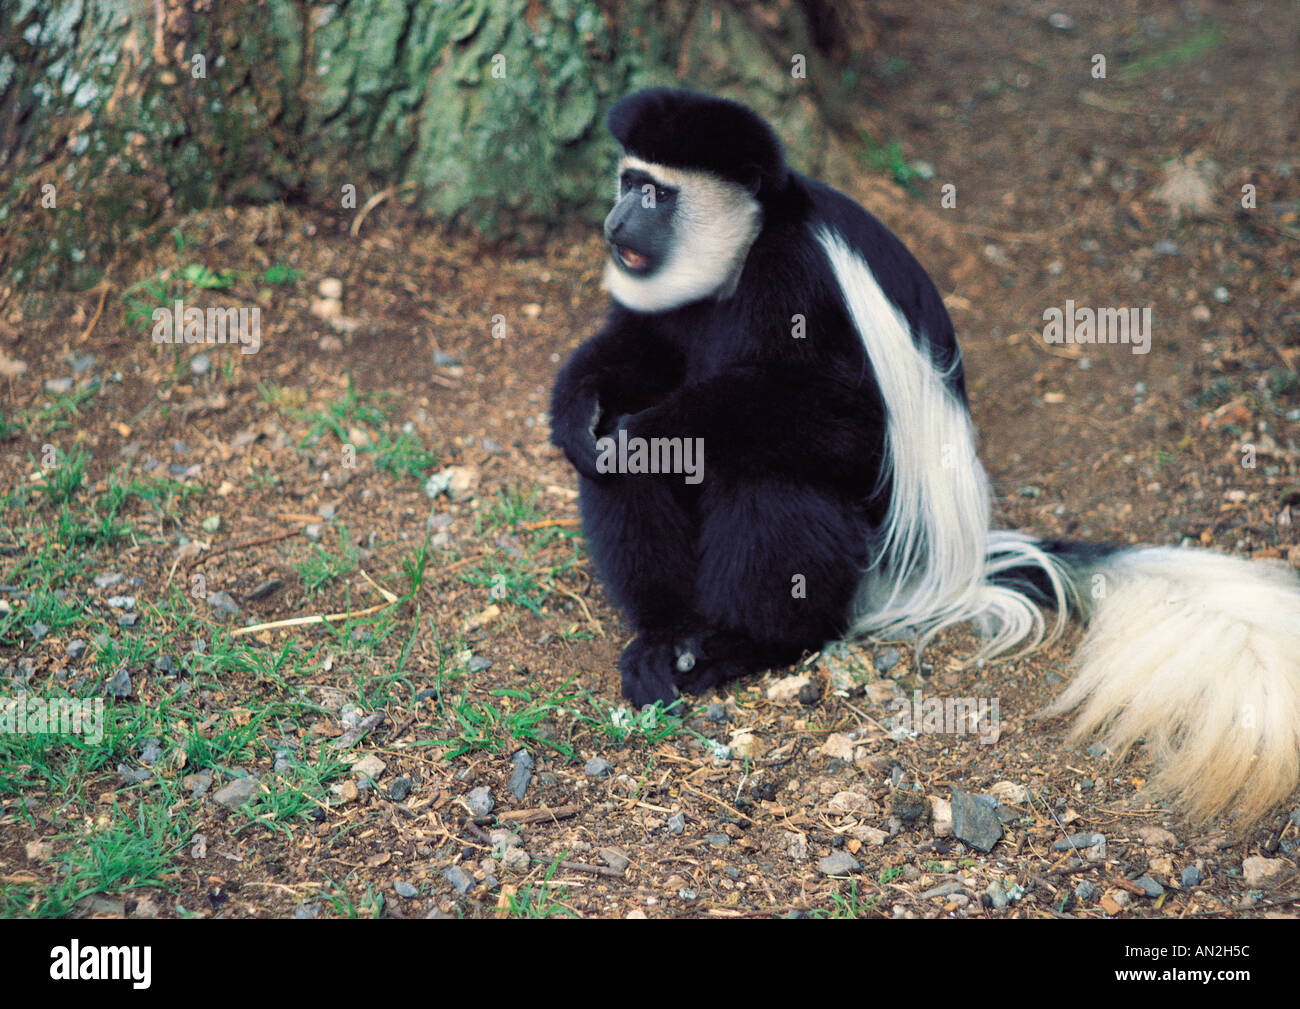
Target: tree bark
(117,115)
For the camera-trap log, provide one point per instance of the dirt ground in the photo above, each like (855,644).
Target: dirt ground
(293,481)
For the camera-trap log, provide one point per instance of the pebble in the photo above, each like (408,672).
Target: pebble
(480,801)
(717,840)
(122,602)
(134,773)
(997,896)
(444,360)
(1164,247)
(1221,295)
(368,765)
(677,823)
(108,579)
(478,664)
(1260,872)
(151,753)
(39,629)
(974,821)
(460,880)
(128,619)
(490,446)
(238,792)
(887,660)
(521,774)
(330,287)
(715,712)
(223,605)
(1150,887)
(400,788)
(306,911)
(405,889)
(838,863)
(515,859)
(75,649)
(1191,876)
(120,685)
(1085,891)
(58,386)
(197,784)
(598,767)
(1082,840)
(943,890)
(200,364)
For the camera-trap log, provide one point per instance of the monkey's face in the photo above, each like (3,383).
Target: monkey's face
(676,236)
(639,229)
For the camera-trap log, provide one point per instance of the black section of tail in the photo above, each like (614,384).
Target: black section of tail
(1075,556)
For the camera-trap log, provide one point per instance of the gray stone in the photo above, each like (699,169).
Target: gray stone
(306,911)
(238,792)
(151,752)
(120,684)
(521,774)
(838,863)
(1191,876)
(405,889)
(460,880)
(887,660)
(401,788)
(974,822)
(1085,890)
(200,364)
(222,605)
(943,890)
(717,840)
(39,629)
(128,619)
(480,801)
(75,649)
(598,767)
(1079,841)
(716,713)
(677,823)
(1150,887)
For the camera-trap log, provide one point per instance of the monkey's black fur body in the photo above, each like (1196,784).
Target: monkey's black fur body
(779,325)
(792,428)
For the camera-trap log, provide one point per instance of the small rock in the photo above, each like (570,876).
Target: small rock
(1262,873)
(200,364)
(521,774)
(1150,887)
(676,823)
(1085,890)
(460,880)
(480,801)
(787,688)
(368,765)
(222,605)
(109,579)
(940,816)
(1190,877)
(515,859)
(238,792)
(345,791)
(1155,836)
(887,660)
(330,287)
(400,788)
(1010,792)
(717,840)
(615,859)
(151,752)
(306,911)
(405,889)
(1079,841)
(75,649)
(942,890)
(974,821)
(122,602)
(197,784)
(120,685)
(838,863)
(715,712)
(598,767)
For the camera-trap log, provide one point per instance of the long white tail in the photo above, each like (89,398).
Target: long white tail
(1198,655)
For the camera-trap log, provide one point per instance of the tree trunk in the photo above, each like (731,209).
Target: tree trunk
(118,114)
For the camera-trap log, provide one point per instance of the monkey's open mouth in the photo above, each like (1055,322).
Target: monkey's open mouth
(634,261)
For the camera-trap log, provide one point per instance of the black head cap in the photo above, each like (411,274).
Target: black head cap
(687,129)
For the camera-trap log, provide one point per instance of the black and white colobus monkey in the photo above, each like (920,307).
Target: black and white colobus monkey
(774,323)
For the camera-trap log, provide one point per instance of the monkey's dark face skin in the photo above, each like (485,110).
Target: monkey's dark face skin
(639,229)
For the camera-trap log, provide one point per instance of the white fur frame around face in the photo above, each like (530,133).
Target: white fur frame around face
(714,224)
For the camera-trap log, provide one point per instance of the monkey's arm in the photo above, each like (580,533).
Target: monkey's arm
(624,368)
(790,421)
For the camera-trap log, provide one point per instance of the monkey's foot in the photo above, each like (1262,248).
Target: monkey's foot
(708,660)
(647,665)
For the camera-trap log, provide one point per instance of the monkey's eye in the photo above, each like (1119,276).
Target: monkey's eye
(664,195)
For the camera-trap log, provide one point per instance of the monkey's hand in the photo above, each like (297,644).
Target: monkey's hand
(574,431)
